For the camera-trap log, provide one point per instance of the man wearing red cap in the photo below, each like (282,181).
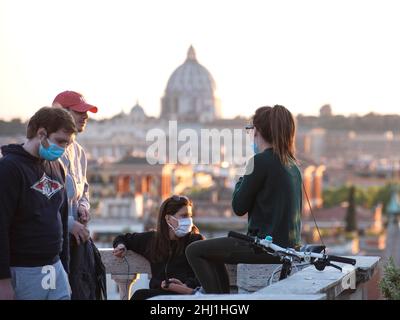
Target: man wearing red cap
(75,162)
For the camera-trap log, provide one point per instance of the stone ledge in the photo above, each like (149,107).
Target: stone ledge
(253,277)
(331,281)
(115,266)
(306,284)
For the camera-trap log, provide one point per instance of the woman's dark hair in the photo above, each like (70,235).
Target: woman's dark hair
(52,119)
(277,126)
(162,245)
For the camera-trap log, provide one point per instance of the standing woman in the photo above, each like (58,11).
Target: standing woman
(165,249)
(270,193)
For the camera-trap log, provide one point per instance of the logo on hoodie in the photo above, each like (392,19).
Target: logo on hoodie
(47,186)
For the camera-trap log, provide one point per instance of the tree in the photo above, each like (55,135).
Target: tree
(366,197)
(390,283)
(335,196)
(351,218)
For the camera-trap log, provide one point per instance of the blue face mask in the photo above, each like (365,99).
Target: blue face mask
(255,148)
(52,152)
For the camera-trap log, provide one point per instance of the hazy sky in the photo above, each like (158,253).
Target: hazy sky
(301,54)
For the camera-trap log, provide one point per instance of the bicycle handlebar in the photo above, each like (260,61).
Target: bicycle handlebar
(267,243)
(341,259)
(237,235)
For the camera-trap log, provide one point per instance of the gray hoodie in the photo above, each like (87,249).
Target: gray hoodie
(75,163)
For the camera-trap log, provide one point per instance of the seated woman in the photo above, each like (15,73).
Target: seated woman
(165,249)
(269,193)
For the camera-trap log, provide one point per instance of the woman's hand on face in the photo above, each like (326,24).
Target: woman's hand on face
(120,251)
(175,285)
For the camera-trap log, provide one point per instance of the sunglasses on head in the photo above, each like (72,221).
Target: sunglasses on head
(178,198)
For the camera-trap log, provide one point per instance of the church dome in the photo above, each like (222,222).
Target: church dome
(191,77)
(190,93)
(137,113)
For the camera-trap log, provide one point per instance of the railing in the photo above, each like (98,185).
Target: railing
(251,281)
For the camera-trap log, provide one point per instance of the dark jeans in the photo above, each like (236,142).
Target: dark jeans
(208,258)
(143,294)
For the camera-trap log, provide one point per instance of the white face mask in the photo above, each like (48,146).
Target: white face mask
(184,226)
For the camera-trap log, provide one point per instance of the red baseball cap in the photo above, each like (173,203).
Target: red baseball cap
(74,101)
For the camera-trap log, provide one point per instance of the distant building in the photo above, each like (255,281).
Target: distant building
(393,228)
(313,143)
(325,111)
(393,207)
(126,189)
(313,187)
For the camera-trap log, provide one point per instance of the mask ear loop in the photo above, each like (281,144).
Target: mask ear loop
(171,225)
(44,141)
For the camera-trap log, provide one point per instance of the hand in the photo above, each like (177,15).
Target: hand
(120,251)
(80,232)
(175,285)
(6,290)
(84,215)
(176,281)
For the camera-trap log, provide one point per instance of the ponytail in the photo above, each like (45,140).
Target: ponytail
(277,126)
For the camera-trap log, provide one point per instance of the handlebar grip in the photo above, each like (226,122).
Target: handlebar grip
(241,236)
(342,259)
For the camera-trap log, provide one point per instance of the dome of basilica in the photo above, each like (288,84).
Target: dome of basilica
(190,93)
(191,77)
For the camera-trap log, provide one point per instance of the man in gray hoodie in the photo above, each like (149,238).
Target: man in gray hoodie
(77,187)
(75,161)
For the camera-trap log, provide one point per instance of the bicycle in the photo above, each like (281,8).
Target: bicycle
(309,254)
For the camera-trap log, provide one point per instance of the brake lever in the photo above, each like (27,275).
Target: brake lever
(335,266)
(320,265)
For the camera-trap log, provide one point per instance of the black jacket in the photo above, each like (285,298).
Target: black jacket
(176,266)
(87,276)
(32,193)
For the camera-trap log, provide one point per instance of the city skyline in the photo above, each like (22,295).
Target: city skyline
(302,55)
